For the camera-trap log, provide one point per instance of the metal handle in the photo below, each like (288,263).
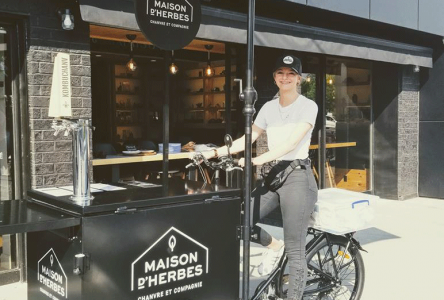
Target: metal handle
(360,201)
(241,90)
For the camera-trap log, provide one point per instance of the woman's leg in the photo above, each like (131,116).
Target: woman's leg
(297,198)
(264,202)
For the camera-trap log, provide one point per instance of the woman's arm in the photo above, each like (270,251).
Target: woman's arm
(239,144)
(298,133)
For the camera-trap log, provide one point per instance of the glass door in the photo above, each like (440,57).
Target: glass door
(6,176)
(8,243)
(309,88)
(348,124)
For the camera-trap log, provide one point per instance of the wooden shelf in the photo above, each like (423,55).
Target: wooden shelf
(124,77)
(194,94)
(193,78)
(205,93)
(129,110)
(205,77)
(127,93)
(207,96)
(205,125)
(130,125)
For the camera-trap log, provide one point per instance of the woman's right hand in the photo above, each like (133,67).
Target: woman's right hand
(207,154)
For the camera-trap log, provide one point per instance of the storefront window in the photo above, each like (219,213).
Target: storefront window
(347,125)
(5,130)
(7,242)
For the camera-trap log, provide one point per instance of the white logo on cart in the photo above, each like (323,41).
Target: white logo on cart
(51,274)
(173,258)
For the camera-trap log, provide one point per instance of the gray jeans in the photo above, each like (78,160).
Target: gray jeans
(297,198)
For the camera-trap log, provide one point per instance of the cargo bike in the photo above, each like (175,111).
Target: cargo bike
(335,265)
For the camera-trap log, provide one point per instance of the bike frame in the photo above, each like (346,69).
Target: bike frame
(276,275)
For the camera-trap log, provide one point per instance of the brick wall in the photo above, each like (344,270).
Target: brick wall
(51,156)
(408,134)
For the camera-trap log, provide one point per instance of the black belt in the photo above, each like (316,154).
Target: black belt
(303,163)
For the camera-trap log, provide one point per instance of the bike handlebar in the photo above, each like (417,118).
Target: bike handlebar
(226,163)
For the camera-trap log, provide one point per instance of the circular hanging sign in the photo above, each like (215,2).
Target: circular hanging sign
(168,24)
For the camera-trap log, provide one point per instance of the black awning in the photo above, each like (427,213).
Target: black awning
(228,26)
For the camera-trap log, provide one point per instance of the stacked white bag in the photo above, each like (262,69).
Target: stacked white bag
(340,211)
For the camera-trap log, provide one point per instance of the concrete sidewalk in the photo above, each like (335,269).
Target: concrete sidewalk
(404,253)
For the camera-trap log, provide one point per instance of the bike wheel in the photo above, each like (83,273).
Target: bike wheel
(333,273)
(267,293)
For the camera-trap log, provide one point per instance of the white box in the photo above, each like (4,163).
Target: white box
(340,211)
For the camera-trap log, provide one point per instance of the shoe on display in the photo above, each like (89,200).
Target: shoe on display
(270,259)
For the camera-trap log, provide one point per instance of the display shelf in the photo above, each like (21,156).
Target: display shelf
(206,77)
(205,125)
(130,125)
(207,96)
(126,77)
(129,110)
(127,93)
(129,104)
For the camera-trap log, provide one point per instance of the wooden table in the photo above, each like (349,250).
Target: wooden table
(327,163)
(335,145)
(116,160)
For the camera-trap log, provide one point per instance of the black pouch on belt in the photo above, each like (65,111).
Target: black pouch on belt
(279,173)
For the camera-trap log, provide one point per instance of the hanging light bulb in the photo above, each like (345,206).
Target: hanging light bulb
(209,71)
(173,68)
(131,65)
(308,78)
(330,81)
(67,20)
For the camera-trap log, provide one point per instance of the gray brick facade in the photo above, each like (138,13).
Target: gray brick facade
(408,134)
(51,156)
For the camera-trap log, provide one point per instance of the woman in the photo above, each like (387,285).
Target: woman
(289,121)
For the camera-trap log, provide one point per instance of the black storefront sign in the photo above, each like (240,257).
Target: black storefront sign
(168,24)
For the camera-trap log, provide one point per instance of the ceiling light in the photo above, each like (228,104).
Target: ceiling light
(131,65)
(67,20)
(173,68)
(209,71)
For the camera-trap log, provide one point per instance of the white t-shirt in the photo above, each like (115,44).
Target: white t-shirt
(280,122)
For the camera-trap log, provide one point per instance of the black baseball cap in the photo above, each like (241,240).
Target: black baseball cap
(289,61)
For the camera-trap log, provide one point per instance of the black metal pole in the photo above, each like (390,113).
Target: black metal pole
(166,120)
(250,96)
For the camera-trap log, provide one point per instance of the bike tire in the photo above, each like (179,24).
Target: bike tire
(351,273)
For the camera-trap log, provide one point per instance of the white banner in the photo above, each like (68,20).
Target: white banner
(60,101)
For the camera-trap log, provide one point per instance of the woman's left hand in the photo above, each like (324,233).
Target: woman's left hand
(241,162)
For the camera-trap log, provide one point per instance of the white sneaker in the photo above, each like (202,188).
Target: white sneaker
(270,259)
